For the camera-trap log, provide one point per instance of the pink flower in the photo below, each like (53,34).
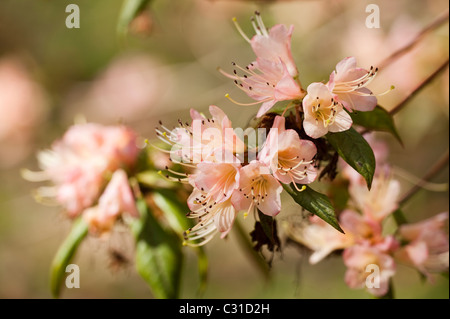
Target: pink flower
(428,245)
(273,77)
(217,180)
(267,82)
(289,157)
(78,163)
(364,261)
(323,113)
(115,200)
(212,217)
(271,45)
(366,231)
(258,189)
(197,141)
(22,108)
(319,237)
(381,200)
(348,84)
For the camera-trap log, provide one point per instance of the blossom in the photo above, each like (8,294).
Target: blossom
(116,199)
(22,108)
(79,163)
(218,180)
(381,200)
(359,259)
(212,217)
(267,82)
(271,45)
(258,189)
(289,157)
(273,76)
(427,249)
(323,113)
(348,84)
(319,237)
(197,141)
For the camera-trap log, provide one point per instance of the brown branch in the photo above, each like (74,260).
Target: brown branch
(432,26)
(419,87)
(440,164)
(414,92)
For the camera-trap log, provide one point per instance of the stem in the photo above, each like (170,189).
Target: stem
(440,164)
(418,88)
(414,92)
(247,245)
(433,25)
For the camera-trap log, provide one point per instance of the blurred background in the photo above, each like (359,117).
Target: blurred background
(50,75)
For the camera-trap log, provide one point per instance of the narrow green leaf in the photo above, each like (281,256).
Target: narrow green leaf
(130,9)
(158,254)
(65,255)
(376,120)
(175,213)
(174,210)
(355,150)
(314,202)
(154,180)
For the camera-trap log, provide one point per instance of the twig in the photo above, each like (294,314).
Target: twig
(418,88)
(414,92)
(433,25)
(440,164)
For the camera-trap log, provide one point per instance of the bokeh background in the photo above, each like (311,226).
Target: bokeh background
(50,75)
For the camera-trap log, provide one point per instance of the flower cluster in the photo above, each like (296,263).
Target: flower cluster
(224,180)
(423,245)
(274,77)
(88,158)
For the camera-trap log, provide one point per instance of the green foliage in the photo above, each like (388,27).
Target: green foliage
(158,254)
(355,150)
(376,120)
(314,202)
(65,255)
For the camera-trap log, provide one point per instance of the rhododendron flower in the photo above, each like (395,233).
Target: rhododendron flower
(22,107)
(319,237)
(366,231)
(271,45)
(115,200)
(428,245)
(357,259)
(217,180)
(267,82)
(381,200)
(323,113)
(195,142)
(348,84)
(78,163)
(273,77)
(212,217)
(289,157)
(258,189)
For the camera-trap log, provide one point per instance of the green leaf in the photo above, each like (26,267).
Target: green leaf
(158,254)
(314,202)
(399,217)
(174,210)
(154,180)
(175,213)
(355,150)
(376,120)
(130,10)
(65,255)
